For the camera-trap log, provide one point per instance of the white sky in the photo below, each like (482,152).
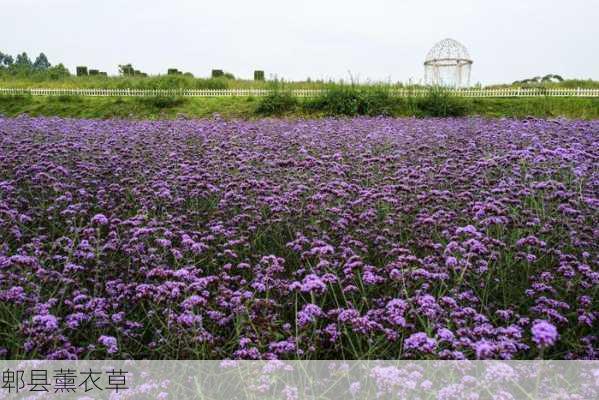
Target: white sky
(372,39)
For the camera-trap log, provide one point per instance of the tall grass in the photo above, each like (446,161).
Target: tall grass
(439,102)
(279,101)
(283,104)
(352,100)
(187,81)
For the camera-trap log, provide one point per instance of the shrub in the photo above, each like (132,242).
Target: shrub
(258,75)
(94,72)
(217,73)
(57,72)
(378,102)
(126,69)
(277,103)
(352,101)
(338,100)
(173,71)
(81,71)
(438,102)
(219,83)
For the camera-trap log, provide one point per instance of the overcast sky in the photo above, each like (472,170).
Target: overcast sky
(372,39)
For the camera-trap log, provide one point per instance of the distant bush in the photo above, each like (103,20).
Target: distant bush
(217,73)
(378,102)
(173,71)
(277,102)
(126,69)
(258,75)
(93,72)
(210,84)
(439,102)
(129,70)
(57,72)
(352,101)
(174,82)
(81,71)
(338,100)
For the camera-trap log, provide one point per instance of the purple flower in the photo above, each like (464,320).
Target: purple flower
(290,392)
(283,346)
(110,343)
(396,309)
(484,349)
(451,262)
(162,242)
(308,314)
(544,334)
(48,322)
(313,282)
(24,260)
(420,342)
(216,231)
(100,219)
(74,320)
(445,335)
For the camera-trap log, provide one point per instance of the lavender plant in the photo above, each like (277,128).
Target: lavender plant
(275,239)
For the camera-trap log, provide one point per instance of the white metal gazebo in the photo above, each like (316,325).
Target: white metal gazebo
(448,64)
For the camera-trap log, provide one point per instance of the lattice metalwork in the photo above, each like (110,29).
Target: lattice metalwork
(448,64)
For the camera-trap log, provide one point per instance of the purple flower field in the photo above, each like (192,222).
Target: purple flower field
(324,239)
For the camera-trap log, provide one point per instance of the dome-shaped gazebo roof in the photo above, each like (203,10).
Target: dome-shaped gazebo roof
(448,49)
(448,63)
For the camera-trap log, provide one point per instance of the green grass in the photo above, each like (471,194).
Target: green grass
(127,107)
(249,107)
(545,107)
(566,84)
(151,82)
(46,80)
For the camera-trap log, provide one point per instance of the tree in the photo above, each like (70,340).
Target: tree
(5,60)
(127,69)
(23,60)
(41,63)
(58,72)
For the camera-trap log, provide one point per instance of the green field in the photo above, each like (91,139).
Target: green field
(249,107)
(42,79)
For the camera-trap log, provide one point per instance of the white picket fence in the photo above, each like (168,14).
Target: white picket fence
(505,92)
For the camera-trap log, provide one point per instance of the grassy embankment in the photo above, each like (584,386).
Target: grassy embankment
(41,80)
(341,100)
(254,107)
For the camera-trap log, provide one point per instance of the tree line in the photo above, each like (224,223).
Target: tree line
(22,65)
